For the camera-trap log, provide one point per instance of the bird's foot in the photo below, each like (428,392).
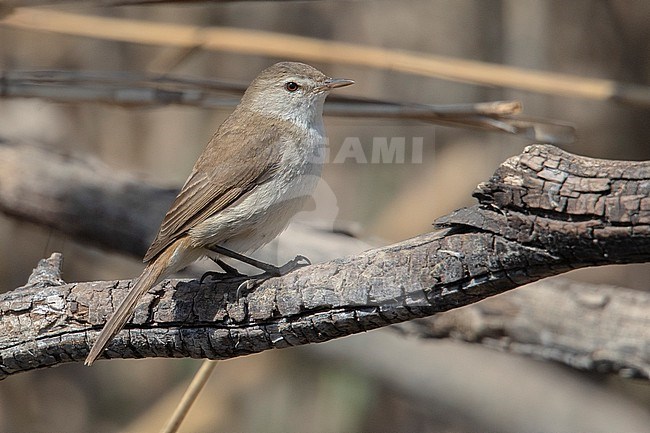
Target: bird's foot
(230,272)
(271,272)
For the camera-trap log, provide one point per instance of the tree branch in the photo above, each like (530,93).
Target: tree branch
(542,213)
(140,90)
(81,197)
(591,327)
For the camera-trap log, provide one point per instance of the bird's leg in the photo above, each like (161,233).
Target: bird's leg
(254,281)
(229,271)
(269,270)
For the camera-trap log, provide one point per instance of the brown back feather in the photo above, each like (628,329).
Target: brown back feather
(229,168)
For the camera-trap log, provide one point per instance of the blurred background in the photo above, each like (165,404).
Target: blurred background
(374,382)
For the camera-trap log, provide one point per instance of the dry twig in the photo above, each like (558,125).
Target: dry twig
(133,90)
(272,44)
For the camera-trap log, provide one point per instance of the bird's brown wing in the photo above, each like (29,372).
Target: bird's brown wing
(221,176)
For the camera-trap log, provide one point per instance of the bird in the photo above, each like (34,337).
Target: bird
(254,175)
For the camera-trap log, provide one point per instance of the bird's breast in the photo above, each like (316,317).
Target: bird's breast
(264,212)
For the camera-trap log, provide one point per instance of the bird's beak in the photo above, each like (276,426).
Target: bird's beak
(333,83)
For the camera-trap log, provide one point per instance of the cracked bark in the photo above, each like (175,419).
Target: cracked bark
(599,328)
(542,213)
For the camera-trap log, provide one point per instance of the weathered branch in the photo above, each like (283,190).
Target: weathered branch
(542,213)
(80,197)
(592,327)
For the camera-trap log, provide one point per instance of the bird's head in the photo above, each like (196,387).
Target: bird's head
(292,91)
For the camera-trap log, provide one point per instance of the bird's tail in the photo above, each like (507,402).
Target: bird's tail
(154,272)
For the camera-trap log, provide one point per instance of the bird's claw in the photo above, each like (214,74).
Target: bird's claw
(221,276)
(254,281)
(298,262)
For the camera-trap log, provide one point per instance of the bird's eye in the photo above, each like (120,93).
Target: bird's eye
(291,86)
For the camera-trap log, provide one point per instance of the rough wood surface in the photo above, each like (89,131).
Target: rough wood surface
(590,327)
(542,213)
